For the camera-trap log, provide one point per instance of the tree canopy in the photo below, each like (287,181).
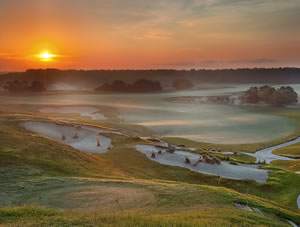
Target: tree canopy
(142,85)
(266,94)
(23,86)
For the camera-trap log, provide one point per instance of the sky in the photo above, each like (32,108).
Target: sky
(144,34)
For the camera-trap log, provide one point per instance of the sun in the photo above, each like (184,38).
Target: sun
(46,56)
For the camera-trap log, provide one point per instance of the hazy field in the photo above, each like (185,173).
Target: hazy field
(205,122)
(124,187)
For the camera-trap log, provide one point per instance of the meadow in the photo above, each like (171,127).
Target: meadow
(44,182)
(217,124)
(45,173)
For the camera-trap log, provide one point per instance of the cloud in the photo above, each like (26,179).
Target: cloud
(155,35)
(8,56)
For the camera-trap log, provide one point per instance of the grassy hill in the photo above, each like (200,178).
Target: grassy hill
(124,188)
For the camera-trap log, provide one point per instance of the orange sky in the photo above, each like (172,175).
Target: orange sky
(139,34)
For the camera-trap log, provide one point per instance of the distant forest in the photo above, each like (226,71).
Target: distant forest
(96,78)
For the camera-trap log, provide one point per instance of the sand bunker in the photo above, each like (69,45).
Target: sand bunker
(225,169)
(83,138)
(83,111)
(298,202)
(267,155)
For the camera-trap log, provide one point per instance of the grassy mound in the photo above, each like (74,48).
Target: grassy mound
(18,148)
(292,151)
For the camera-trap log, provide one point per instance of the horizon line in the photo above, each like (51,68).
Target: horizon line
(153,69)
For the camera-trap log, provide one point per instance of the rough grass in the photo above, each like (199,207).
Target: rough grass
(292,151)
(137,165)
(44,157)
(282,186)
(293,166)
(18,148)
(34,216)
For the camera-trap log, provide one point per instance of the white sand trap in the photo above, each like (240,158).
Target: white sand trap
(267,155)
(82,110)
(225,169)
(298,202)
(87,136)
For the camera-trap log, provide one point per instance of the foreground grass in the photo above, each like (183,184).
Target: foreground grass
(43,158)
(34,216)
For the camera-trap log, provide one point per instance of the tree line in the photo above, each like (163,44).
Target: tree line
(143,85)
(138,86)
(166,77)
(269,95)
(19,86)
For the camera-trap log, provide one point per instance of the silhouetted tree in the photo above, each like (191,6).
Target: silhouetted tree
(16,86)
(119,85)
(252,95)
(285,95)
(22,86)
(144,85)
(37,86)
(266,94)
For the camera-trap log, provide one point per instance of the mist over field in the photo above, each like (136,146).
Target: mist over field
(150,113)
